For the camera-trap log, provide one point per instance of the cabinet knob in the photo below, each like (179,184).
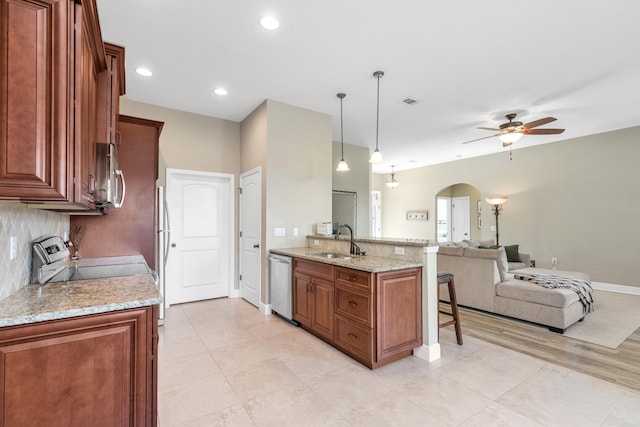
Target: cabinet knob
(352,336)
(352,278)
(353,304)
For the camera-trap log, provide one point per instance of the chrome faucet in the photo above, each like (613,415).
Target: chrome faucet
(354,249)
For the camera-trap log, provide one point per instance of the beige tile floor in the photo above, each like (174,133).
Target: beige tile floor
(223,363)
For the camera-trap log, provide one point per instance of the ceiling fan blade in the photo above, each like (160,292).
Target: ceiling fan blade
(542,131)
(539,122)
(495,130)
(480,139)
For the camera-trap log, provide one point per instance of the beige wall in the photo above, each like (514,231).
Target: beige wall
(355,180)
(293,147)
(577,200)
(191,141)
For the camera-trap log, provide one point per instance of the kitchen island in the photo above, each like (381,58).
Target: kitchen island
(77,353)
(395,252)
(369,307)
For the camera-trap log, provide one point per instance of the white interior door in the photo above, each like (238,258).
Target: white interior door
(250,237)
(460,222)
(200,261)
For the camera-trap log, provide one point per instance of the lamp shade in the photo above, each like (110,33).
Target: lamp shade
(496,200)
(510,137)
(376,157)
(342,166)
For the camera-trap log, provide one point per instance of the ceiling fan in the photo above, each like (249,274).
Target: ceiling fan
(512,131)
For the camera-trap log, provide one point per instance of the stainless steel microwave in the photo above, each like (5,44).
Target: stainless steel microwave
(110,185)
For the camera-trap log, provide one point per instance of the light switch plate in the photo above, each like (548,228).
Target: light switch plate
(295,231)
(279,231)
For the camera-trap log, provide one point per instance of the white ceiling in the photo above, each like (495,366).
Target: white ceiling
(468,62)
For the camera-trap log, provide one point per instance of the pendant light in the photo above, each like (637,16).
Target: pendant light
(342,166)
(393,183)
(376,157)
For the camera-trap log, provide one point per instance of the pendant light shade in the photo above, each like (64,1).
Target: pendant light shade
(376,157)
(393,183)
(342,166)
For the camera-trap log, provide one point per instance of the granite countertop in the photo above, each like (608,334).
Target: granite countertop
(60,300)
(372,264)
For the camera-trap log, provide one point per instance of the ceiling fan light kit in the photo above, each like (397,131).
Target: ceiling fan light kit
(512,131)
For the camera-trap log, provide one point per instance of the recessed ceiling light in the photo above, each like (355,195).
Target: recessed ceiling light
(144,72)
(269,22)
(220,91)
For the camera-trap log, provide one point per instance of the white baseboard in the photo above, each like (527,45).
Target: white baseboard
(235,293)
(265,309)
(622,289)
(430,353)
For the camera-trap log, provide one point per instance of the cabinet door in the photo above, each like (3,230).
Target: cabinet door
(323,307)
(36,99)
(88,371)
(89,62)
(302,299)
(111,85)
(399,312)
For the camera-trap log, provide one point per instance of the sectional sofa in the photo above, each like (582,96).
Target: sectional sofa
(484,280)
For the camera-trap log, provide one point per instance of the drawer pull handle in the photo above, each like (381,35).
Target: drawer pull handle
(352,336)
(353,304)
(352,278)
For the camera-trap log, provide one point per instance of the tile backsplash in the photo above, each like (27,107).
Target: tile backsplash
(26,225)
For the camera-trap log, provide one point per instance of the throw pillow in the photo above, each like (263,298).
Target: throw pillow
(512,253)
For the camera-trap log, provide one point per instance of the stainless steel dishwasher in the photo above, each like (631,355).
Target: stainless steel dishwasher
(280,285)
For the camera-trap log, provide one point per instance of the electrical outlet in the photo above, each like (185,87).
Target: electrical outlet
(295,231)
(399,251)
(554,260)
(316,243)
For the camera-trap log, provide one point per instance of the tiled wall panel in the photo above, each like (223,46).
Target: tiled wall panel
(26,225)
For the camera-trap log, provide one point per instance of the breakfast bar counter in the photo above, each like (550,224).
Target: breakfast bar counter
(372,264)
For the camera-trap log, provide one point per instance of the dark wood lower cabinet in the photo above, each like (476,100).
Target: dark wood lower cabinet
(97,370)
(376,318)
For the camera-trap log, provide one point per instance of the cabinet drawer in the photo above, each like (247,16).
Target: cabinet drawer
(348,276)
(354,338)
(314,268)
(356,305)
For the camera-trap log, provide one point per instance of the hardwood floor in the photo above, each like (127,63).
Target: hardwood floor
(619,366)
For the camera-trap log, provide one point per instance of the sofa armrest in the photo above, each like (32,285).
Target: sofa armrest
(525,258)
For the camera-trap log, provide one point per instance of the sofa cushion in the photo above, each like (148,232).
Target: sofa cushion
(512,253)
(497,254)
(530,292)
(516,265)
(523,290)
(450,250)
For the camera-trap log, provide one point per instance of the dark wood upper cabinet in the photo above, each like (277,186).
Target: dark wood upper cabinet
(111,85)
(51,54)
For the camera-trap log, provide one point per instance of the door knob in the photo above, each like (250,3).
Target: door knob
(173,245)
(256,246)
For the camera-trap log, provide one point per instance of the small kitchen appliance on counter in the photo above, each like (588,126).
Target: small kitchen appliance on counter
(48,258)
(324,228)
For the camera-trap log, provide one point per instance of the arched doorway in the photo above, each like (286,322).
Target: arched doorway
(458,213)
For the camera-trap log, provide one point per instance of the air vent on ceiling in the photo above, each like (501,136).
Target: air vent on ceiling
(410,100)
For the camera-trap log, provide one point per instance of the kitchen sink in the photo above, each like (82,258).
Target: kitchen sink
(331,255)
